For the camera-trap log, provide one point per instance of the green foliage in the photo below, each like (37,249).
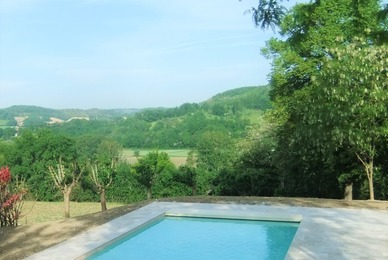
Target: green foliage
(215,150)
(125,187)
(310,29)
(163,128)
(187,175)
(318,123)
(7,133)
(41,114)
(268,14)
(352,90)
(152,169)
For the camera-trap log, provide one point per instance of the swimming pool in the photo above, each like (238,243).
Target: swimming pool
(194,237)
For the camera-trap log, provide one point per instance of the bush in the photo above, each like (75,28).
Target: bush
(10,203)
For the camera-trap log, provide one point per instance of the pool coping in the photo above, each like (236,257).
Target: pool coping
(320,234)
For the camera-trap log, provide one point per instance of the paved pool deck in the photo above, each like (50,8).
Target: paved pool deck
(324,233)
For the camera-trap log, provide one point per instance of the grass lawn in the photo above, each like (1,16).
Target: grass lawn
(39,211)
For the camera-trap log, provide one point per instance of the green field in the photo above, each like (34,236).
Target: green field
(39,211)
(4,123)
(143,152)
(178,157)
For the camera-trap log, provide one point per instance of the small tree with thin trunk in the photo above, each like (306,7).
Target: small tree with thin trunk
(102,177)
(65,179)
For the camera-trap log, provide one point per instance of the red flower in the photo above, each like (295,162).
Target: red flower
(11,201)
(5,175)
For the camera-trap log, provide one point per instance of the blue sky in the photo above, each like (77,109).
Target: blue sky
(126,53)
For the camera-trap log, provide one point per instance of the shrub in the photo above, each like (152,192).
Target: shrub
(10,203)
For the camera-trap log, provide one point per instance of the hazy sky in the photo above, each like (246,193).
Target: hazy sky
(126,53)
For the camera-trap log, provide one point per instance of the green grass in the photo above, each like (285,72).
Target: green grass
(3,122)
(39,211)
(170,152)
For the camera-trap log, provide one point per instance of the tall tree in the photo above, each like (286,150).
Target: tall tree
(348,101)
(309,31)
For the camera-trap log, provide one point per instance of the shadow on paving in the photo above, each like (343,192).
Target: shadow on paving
(343,234)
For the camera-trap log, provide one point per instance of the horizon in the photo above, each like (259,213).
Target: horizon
(129,54)
(129,108)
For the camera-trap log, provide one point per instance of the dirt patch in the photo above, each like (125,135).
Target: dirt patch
(22,241)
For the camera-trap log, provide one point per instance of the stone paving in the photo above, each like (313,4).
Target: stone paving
(323,233)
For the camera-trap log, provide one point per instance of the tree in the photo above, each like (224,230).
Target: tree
(102,177)
(101,154)
(65,178)
(308,31)
(30,154)
(215,151)
(348,101)
(150,167)
(187,175)
(268,13)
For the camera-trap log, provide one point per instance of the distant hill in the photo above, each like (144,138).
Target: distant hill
(35,116)
(240,99)
(234,102)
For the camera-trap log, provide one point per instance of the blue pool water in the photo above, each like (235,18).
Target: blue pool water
(204,238)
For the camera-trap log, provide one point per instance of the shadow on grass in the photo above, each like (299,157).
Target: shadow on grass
(22,241)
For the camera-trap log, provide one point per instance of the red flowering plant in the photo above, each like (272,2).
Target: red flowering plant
(10,203)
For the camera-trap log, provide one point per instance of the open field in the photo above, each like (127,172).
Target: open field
(39,211)
(178,157)
(4,123)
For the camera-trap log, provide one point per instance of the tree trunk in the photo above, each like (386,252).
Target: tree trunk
(66,198)
(369,173)
(368,165)
(149,193)
(348,194)
(193,190)
(103,200)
